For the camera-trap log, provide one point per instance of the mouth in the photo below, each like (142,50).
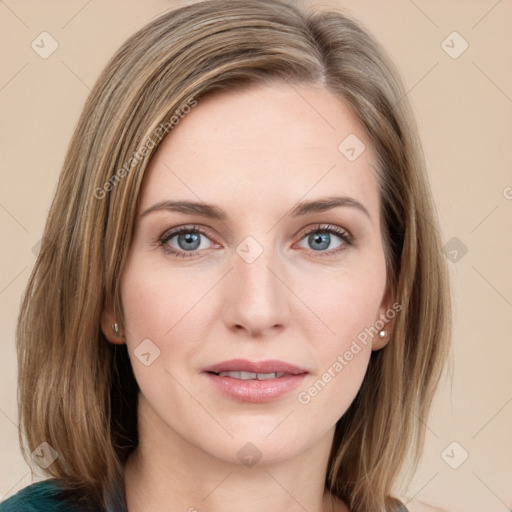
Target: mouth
(244,367)
(253,382)
(251,375)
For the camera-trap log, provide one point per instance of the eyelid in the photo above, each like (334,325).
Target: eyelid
(346,237)
(338,230)
(170,233)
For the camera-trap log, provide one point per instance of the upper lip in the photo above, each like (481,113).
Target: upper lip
(243,365)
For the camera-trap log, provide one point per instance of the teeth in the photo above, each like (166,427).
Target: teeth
(265,376)
(251,375)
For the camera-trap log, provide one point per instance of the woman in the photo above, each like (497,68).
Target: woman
(241,299)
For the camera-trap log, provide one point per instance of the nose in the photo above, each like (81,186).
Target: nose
(255,296)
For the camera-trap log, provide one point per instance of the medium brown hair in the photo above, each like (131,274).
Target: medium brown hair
(76,391)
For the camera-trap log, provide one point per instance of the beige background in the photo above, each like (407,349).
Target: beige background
(464,108)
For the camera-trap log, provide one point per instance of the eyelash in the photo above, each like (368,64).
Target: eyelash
(321,228)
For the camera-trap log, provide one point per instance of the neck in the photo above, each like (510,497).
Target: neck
(166,473)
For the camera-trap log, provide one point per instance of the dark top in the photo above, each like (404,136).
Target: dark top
(48,496)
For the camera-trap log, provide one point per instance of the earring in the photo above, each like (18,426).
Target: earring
(115,328)
(382,334)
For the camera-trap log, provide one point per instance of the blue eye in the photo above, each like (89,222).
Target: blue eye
(188,240)
(320,238)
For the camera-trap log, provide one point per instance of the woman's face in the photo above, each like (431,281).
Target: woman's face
(261,280)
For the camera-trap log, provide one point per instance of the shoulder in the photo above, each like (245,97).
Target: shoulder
(37,497)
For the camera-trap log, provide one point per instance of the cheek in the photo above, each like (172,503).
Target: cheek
(156,300)
(343,357)
(167,308)
(341,360)
(156,310)
(348,306)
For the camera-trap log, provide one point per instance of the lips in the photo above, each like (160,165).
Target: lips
(247,381)
(252,375)
(262,367)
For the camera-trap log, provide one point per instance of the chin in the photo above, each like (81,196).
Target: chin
(250,447)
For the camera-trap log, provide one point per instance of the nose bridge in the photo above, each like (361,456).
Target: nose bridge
(256,297)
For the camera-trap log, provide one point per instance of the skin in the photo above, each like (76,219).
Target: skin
(254,153)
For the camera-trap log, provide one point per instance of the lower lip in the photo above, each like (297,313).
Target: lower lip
(256,391)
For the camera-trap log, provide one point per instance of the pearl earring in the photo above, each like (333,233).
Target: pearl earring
(115,328)
(382,334)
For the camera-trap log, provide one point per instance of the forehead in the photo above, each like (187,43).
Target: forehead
(277,142)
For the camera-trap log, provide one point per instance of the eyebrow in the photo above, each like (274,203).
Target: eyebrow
(214,212)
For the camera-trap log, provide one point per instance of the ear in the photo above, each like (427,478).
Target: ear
(107,322)
(385,320)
